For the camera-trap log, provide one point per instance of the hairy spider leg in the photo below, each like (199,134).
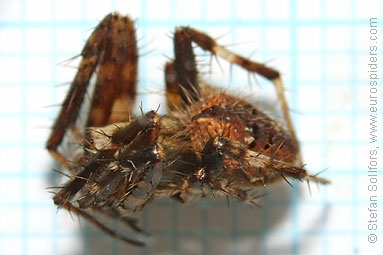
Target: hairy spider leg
(115,88)
(121,176)
(111,51)
(90,218)
(181,75)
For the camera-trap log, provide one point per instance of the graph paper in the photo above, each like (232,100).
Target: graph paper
(320,47)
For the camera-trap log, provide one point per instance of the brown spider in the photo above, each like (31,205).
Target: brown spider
(210,141)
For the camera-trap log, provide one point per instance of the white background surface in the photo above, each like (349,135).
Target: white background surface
(321,48)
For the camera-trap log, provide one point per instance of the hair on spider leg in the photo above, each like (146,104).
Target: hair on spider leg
(252,199)
(158,108)
(286,180)
(317,183)
(251,75)
(146,53)
(62,173)
(53,187)
(316,179)
(65,62)
(73,162)
(219,64)
(279,146)
(177,172)
(130,222)
(147,44)
(188,95)
(106,229)
(217,38)
(252,202)
(141,108)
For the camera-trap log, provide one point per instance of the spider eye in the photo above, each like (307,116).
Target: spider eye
(252,144)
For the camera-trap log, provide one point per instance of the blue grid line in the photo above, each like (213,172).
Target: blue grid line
(143,80)
(85,227)
(24,135)
(354,129)
(201,23)
(277,52)
(205,222)
(306,82)
(195,234)
(325,125)
(293,104)
(265,216)
(174,207)
(271,204)
(234,208)
(54,78)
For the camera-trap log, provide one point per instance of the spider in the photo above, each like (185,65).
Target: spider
(209,142)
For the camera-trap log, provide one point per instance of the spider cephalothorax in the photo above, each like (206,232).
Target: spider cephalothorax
(209,142)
